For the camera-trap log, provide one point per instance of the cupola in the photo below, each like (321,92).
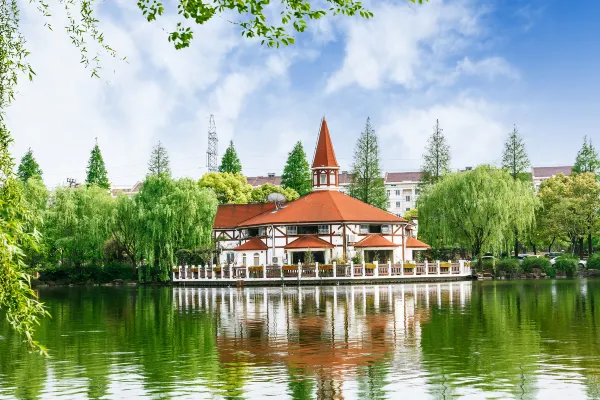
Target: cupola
(325,168)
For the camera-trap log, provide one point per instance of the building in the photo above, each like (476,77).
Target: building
(326,223)
(128,191)
(256,181)
(540,174)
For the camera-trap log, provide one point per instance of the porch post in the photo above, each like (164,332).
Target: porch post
(264,270)
(351,269)
(230,271)
(186,272)
(364,269)
(389,268)
(299,270)
(376,270)
(437,264)
(401,267)
(316,269)
(334,271)
(222,268)
(461,267)
(426,268)
(212,272)
(247,271)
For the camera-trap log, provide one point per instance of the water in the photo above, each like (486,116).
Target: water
(535,339)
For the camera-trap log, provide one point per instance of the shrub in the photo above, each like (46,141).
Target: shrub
(486,264)
(567,263)
(508,265)
(594,261)
(542,263)
(95,273)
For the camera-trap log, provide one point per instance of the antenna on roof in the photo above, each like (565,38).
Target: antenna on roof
(277,198)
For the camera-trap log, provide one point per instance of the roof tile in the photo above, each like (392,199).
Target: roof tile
(411,242)
(252,244)
(231,215)
(375,240)
(324,154)
(309,242)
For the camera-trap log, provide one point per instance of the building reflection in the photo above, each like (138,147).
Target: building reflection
(333,336)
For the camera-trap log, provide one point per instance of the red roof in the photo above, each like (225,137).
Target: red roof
(415,243)
(309,242)
(392,177)
(548,172)
(324,154)
(252,244)
(256,181)
(231,215)
(324,206)
(376,240)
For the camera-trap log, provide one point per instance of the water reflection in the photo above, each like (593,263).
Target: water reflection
(494,339)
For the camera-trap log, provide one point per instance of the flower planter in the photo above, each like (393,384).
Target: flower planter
(445,265)
(326,267)
(195,269)
(255,269)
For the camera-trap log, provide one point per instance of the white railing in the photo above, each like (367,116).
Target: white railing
(334,271)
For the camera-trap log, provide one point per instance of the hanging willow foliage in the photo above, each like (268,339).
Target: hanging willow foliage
(175,215)
(476,209)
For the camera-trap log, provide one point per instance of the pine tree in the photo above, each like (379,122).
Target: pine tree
(516,162)
(159,161)
(587,158)
(230,162)
(296,174)
(96,171)
(436,160)
(28,167)
(367,183)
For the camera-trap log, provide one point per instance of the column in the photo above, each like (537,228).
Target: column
(437,265)
(401,267)
(461,266)
(230,271)
(316,270)
(389,268)
(264,271)
(247,271)
(364,269)
(299,270)
(426,267)
(376,270)
(334,271)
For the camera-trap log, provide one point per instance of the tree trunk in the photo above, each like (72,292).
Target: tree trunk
(589,239)
(516,246)
(581,247)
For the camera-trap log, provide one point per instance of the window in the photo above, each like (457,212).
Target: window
(407,198)
(364,229)
(397,193)
(323,229)
(244,233)
(332,178)
(314,179)
(292,230)
(244,259)
(386,229)
(323,179)
(256,259)
(374,228)
(262,231)
(388,205)
(388,193)
(398,204)
(252,232)
(308,229)
(407,208)
(417,191)
(230,257)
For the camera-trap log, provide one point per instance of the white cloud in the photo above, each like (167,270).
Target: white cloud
(474,128)
(406,44)
(490,68)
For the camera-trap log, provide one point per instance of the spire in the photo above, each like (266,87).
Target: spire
(324,154)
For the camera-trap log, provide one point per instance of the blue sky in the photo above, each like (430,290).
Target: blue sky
(478,66)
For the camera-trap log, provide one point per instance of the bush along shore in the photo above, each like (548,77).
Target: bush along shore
(108,274)
(566,266)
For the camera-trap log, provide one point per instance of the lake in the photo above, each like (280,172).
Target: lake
(502,339)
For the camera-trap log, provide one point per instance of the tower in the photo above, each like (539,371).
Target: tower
(212,154)
(325,168)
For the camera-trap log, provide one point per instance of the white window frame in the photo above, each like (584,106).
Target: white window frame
(408,197)
(256,259)
(292,230)
(323,179)
(388,193)
(386,229)
(262,231)
(244,259)
(397,192)
(323,229)
(398,204)
(363,229)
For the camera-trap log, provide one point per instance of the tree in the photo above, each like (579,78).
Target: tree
(367,183)
(28,167)
(569,208)
(296,174)
(17,300)
(516,162)
(230,162)
(159,161)
(476,209)
(260,194)
(159,200)
(410,214)
(126,227)
(229,188)
(587,158)
(96,171)
(436,160)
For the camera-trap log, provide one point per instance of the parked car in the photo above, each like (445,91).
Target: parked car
(521,257)
(581,263)
(553,254)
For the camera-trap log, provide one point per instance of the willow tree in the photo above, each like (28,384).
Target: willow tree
(475,209)
(229,188)
(175,215)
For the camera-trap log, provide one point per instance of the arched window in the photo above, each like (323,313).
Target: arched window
(256,259)
(244,259)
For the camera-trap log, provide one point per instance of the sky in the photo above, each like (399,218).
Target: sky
(480,67)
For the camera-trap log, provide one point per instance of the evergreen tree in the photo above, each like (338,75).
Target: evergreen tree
(516,162)
(296,174)
(514,158)
(159,161)
(367,183)
(96,171)
(28,167)
(436,160)
(587,158)
(230,162)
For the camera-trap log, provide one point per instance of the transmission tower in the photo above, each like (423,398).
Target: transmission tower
(212,154)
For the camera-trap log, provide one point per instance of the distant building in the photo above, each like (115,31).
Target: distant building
(540,174)
(256,181)
(126,190)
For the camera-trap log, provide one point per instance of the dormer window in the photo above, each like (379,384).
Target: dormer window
(323,179)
